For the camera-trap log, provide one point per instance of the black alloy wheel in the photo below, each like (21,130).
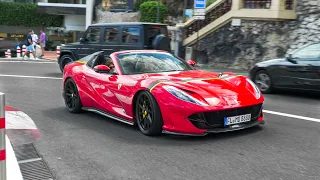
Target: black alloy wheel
(263,81)
(147,114)
(71,96)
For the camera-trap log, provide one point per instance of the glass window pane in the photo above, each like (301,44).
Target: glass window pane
(131,35)
(309,52)
(111,35)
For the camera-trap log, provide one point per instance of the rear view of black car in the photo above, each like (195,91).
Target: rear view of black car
(112,37)
(300,70)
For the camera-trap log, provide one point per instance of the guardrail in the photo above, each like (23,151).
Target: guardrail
(3,163)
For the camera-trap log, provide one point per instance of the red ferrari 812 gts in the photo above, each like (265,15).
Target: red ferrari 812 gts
(161,93)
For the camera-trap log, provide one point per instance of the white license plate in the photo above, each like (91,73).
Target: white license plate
(237,119)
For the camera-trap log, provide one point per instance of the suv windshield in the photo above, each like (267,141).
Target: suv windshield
(139,63)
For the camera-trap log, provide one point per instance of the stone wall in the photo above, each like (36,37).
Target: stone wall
(255,41)
(102,16)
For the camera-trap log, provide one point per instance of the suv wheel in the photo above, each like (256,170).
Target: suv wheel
(161,42)
(65,59)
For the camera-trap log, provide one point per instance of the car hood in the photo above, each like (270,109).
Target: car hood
(177,75)
(226,91)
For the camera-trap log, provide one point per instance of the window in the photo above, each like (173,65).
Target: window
(93,35)
(309,52)
(131,35)
(111,35)
(138,63)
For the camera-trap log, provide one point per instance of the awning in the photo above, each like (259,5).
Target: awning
(61,8)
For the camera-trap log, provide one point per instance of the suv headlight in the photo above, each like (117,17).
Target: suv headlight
(183,95)
(257,91)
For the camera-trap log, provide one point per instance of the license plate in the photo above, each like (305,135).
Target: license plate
(237,119)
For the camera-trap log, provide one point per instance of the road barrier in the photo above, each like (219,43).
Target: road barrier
(18,52)
(8,53)
(3,163)
(58,51)
(24,49)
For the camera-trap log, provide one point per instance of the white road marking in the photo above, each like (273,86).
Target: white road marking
(35,77)
(19,61)
(292,116)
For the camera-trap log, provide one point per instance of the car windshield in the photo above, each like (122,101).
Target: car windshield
(139,63)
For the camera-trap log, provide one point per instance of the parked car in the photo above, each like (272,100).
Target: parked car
(161,93)
(299,70)
(112,37)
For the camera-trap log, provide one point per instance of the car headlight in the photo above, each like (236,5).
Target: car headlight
(183,95)
(255,87)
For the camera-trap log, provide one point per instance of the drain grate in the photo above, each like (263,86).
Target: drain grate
(31,165)
(35,170)
(25,152)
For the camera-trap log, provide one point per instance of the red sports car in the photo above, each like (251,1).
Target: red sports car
(161,93)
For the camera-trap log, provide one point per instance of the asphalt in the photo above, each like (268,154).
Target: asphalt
(89,146)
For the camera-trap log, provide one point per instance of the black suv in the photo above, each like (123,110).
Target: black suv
(112,37)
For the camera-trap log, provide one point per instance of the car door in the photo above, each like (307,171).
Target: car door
(91,42)
(109,92)
(307,67)
(131,38)
(111,39)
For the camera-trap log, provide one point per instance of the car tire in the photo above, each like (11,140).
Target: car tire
(150,123)
(71,96)
(161,42)
(65,59)
(264,82)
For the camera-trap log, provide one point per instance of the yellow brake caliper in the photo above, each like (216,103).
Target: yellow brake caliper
(144,112)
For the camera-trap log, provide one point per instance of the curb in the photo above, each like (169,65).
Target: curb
(13,169)
(25,160)
(15,120)
(20,128)
(22,60)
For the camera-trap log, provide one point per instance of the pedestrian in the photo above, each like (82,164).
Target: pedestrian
(29,44)
(42,42)
(35,41)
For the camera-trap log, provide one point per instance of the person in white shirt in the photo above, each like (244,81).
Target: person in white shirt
(35,40)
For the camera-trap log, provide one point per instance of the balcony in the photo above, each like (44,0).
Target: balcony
(222,12)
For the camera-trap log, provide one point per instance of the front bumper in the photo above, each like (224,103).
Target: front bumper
(220,130)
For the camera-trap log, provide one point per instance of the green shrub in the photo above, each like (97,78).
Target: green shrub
(148,12)
(137,4)
(25,14)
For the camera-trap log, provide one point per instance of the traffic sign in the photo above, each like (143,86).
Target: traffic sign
(200,4)
(199,17)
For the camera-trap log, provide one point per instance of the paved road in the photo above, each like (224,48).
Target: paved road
(88,146)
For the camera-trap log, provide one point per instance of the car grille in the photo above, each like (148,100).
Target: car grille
(215,119)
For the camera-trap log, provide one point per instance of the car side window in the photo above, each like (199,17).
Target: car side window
(111,35)
(309,52)
(93,35)
(131,35)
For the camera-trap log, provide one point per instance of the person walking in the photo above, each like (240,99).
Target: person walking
(29,44)
(35,42)
(42,42)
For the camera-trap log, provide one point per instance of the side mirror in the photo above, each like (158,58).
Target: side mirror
(290,59)
(191,62)
(82,40)
(101,69)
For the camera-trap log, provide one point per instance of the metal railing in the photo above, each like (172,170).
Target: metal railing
(3,169)
(211,15)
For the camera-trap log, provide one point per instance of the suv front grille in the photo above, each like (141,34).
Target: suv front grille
(215,119)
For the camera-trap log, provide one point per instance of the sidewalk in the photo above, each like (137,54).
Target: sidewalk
(50,55)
